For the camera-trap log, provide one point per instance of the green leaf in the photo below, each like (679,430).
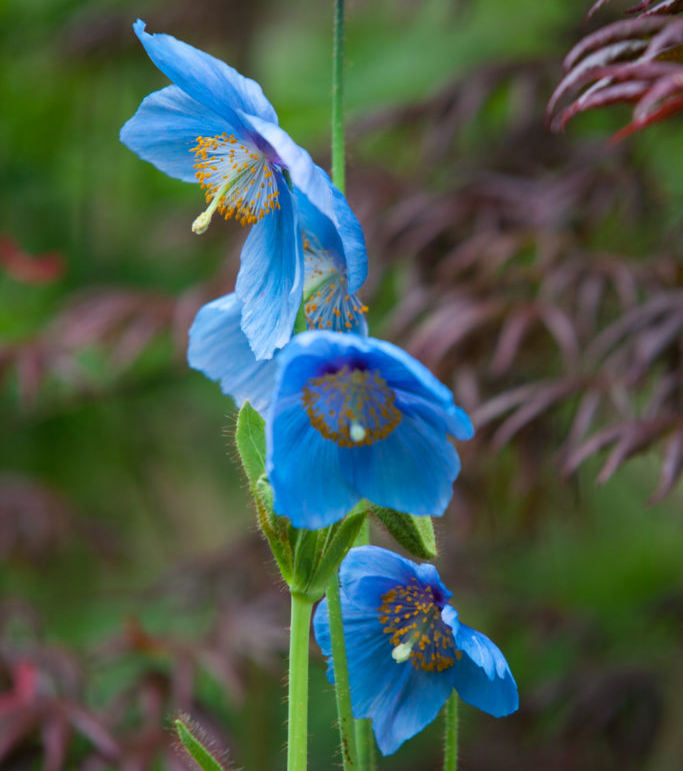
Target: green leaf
(194,743)
(276,529)
(250,438)
(414,534)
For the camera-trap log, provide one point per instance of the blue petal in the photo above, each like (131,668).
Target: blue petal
(399,698)
(310,179)
(482,676)
(321,631)
(165,128)
(270,280)
(207,79)
(353,239)
(303,468)
(368,572)
(307,355)
(342,238)
(411,470)
(414,701)
(220,350)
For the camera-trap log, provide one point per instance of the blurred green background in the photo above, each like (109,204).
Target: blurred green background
(133,582)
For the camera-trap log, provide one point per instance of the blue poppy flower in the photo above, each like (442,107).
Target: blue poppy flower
(353,418)
(407,648)
(219,348)
(216,128)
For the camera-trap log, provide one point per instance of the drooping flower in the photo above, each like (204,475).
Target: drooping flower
(216,128)
(407,649)
(353,418)
(219,348)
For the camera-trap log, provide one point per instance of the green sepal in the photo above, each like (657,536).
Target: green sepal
(318,553)
(250,437)
(300,323)
(194,743)
(275,528)
(414,534)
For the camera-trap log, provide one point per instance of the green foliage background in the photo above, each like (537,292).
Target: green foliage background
(144,451)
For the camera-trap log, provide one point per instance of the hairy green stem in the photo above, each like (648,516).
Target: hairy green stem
(297,739)
(338,158)
(450,758)
(342,689)
(365,742)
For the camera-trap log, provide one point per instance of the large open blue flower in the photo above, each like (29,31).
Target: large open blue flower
(216,128)
(220,349)
(353,418)
(407,648)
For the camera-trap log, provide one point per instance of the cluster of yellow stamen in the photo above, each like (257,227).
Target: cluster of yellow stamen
(330,305)
(353,407)
(237,180)
(413,619)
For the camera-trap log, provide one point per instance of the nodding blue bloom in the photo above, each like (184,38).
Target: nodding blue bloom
(216,128)
(220,349)
(407,648)
(353,418)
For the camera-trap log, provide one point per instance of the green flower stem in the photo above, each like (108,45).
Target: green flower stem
(450,760)
(342,689)
(338,162)
(365,742)
(297,744)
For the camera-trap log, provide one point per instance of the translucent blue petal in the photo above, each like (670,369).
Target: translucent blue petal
(482,676)
(321,631)
(207,79)
(368,572)
(411,470)
(307,355)
(399,698)
(165,129)
(428,575)
(306,176)
(352,238)
(414,701)
(444,417)
(220,350)
(270,280)
(303,468)
(342,237)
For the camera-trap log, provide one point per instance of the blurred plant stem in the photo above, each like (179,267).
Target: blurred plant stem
(338,152)
(297,724)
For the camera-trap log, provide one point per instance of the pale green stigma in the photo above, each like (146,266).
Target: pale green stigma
(356,431)
(201,224)
(402,652)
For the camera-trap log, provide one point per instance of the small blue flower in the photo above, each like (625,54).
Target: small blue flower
(353,418)
(407,649)
(220,349)
(216,128)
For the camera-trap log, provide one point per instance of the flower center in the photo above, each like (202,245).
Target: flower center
(413,619)
(351,406)
(237,179)
(327,301)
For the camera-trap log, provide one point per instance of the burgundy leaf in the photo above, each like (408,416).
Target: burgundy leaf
(669,108)
(636,436)
(620,31)
(515,326)
(672,467)
(602,97)
(544,398)
(92,727)
(592,445)
(55,735)
(665,7)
